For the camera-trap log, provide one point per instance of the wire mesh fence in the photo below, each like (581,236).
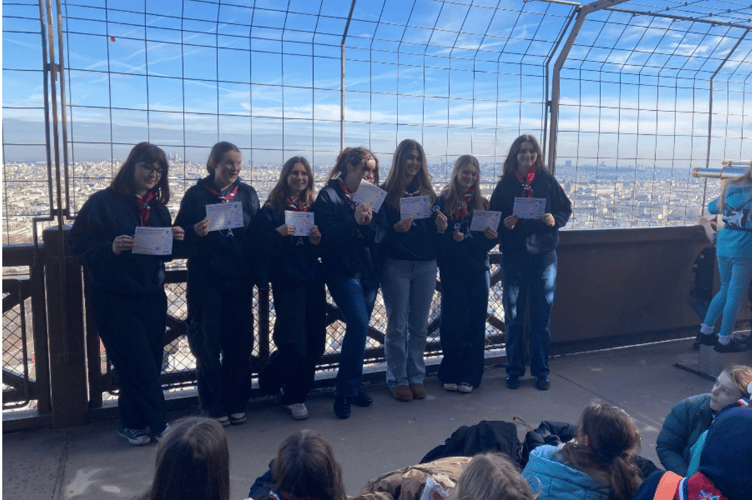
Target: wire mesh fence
(646,91)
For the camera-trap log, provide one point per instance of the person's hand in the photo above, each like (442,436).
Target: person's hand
(315,236)
(122,243)
(549,220)
(491,233)
(511,221)
(178,233)
(441,221)
(404,225)
(458,235)
(363,214)
(286,230)
(201,228)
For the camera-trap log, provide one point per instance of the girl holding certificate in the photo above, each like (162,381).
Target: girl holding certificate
(464,270)
(297,279)
(528,262)
(220,284)
(409,273)
(350,233)
(127,294)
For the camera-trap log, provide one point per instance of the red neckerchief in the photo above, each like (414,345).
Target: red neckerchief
(461,213)
(527,190)
(223,199)
(348,195)
(698,487)
(292,206)
(282,495)
(144,210)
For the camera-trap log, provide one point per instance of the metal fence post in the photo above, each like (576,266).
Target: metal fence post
(66,338)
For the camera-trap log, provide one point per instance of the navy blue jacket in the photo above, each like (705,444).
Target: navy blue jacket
(531,236)
(290,259)
(349,250)
(220,256)
(468,255)
(105,216)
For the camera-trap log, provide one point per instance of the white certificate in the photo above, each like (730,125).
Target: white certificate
(417,207)
(301,221)
(368,193)
(152,240)
(483,219)
(224,215)
(529,208)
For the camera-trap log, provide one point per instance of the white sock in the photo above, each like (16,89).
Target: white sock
(706,330)
(724,339)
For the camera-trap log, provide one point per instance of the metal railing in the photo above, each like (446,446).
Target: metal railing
(27,385)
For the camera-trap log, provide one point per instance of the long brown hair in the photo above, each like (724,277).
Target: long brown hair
(350,157)
(604,449)
(305,467)
(491,476)
(395,181)
(510,164)
(146,153)
(193,462)
(281,191)
(454,198)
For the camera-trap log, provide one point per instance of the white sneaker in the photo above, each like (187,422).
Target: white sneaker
(465,388)
(223,420)
(450,387)
(136,437)
(237,418)
(299,411)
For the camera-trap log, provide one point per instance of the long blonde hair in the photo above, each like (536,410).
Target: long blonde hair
(454,198)
(395,181)
(491,476)
(744,179)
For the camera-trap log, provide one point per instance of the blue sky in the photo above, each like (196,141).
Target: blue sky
(464,76)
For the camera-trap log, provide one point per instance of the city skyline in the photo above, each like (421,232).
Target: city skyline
(460,77)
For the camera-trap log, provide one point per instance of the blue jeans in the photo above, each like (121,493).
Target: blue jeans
(464,303)
(407,287)
(354,298)
(735,275)
(533,275)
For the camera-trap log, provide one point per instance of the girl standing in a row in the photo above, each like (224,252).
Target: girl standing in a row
(220,287)
(350,234)
(297,279)
(409,276)
(528,256)
(127,290)
(465,280)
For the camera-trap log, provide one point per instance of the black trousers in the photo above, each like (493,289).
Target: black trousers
(300,335)
(132,329)
(220,333)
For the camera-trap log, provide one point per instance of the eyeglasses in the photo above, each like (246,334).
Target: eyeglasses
(531,152)
(150,169)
